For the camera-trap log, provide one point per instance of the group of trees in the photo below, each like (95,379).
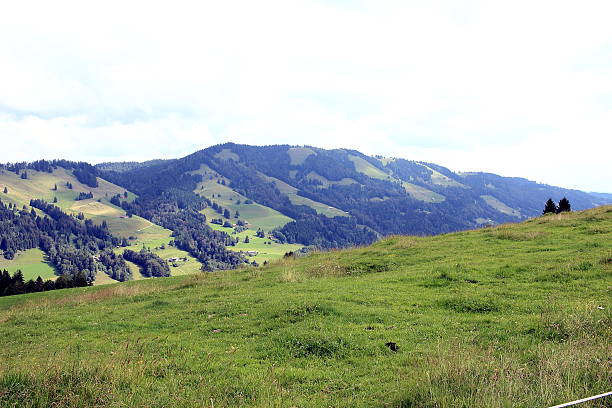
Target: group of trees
(84,196)
(551,207)
(114,265)
(73,247)
(150,264)
(86,175)
(16,284)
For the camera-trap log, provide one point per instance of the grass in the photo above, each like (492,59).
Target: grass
(442,180)
(422,194)
(500,206)
(297,155)
(511,316)
(267,249)
(32,264)
(365,167)
(313,175)
(257,215)
(227,154)
(41,185)
(296,199)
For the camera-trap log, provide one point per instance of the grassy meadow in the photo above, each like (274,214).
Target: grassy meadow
(511,316)
(267,250)
(257,215)
(32,264)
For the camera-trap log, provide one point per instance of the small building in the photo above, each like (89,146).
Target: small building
(252,253)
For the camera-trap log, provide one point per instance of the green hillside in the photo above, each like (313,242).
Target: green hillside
(53,185)
(511,316)
(257,215)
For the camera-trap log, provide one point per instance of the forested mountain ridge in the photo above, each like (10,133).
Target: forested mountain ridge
(207,206)
(367,196)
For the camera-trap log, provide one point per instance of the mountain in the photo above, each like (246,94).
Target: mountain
(232,204)
(342,197)
(517,315)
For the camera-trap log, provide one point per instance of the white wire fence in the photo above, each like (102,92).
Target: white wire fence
(580,401)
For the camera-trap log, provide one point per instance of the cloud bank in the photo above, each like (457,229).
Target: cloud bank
(519,89)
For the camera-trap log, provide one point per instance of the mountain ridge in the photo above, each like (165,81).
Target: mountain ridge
(230,204)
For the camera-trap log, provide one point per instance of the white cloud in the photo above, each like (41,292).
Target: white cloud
(517,88)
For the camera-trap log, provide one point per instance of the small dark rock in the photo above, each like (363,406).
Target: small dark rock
(392,346)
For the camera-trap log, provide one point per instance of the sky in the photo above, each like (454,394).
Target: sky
(520,88)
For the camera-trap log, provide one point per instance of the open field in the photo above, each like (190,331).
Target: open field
(510,316)
(313,175)
(267,249)
(31,263)
(257,215)
(99,209)
(296,199)
(422,194)
(500,206)
(41,185)
(363,166)
(442,180)
(297,155)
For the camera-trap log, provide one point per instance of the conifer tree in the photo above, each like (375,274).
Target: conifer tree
(39,285)
(564,206)
(550,207)
(5,190)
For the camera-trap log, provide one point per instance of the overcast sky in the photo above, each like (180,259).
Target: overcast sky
(518,88)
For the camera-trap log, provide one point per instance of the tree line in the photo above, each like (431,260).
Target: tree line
(84,172)
(72,246)
(16,284)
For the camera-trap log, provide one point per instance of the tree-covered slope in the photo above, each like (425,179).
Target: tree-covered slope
(342,197)
(513,315)
(76,192)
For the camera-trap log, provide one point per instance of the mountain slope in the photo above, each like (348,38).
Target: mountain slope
(59,185)
(380,196)
(514,315)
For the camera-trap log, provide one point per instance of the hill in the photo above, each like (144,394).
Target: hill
(341,197)
(198,210)
(512,315)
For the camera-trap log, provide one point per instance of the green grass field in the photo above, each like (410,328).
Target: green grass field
(267,249)
(32,264)
(297,155)
(442,180)
(227,154)
(257,215)
(510,316)
(499,206)
(313,175)
(42,184)
(365,167)
(296,199)
(422,194)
